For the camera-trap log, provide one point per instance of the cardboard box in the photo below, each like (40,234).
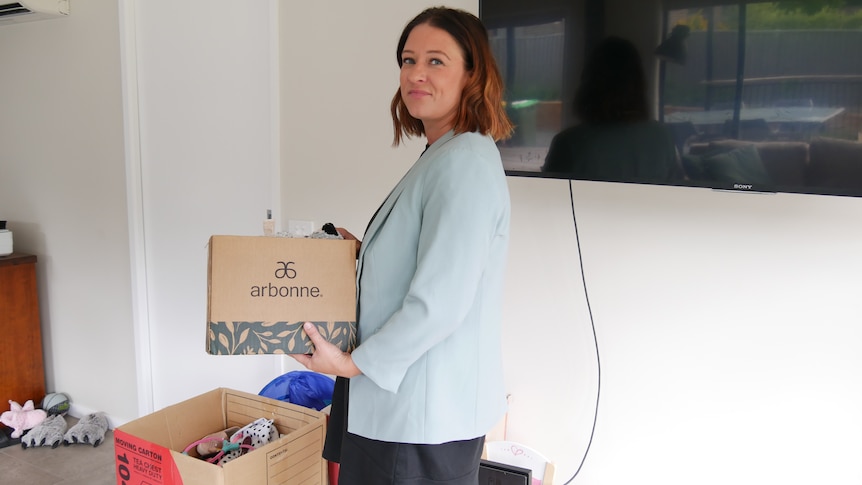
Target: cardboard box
(148,450)
(262,289)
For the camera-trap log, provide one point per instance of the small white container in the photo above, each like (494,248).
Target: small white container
(5,242)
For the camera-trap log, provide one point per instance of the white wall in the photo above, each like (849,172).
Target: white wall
(727,324)
(62,189)
(208,164)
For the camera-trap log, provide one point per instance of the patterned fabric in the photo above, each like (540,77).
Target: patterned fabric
(259,433)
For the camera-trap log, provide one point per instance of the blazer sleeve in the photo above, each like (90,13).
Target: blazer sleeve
(464,200)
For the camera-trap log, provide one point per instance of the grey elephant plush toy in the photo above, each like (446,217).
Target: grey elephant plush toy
(48,433)
(89,430)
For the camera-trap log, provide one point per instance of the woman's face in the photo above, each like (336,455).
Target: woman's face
(432,78)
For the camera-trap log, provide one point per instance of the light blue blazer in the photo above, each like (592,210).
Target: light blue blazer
(430,282)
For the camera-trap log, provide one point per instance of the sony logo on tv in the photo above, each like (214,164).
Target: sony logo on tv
(743,186)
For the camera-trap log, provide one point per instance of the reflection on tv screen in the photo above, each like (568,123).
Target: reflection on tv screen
(757,97)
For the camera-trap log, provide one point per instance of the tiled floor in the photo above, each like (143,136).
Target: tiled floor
(76,464)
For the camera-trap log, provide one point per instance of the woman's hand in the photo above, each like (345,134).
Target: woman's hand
(327,358)
(350,237)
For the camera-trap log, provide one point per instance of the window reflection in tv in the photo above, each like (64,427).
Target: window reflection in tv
(769,97)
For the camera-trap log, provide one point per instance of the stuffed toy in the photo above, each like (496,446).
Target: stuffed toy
(89,430)
(48,433)
(21,418)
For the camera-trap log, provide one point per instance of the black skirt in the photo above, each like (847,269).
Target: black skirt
(365,461)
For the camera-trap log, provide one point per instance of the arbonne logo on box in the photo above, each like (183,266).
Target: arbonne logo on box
(285,270)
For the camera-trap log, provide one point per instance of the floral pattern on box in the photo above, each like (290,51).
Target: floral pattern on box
(247,338)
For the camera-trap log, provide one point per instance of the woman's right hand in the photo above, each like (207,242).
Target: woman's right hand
(326,357)
(347,235)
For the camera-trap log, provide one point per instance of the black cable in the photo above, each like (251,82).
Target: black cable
(595,338)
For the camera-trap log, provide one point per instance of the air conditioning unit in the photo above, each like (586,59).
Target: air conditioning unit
(30,10)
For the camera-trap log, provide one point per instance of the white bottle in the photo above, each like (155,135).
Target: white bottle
(268,224)
(5,240)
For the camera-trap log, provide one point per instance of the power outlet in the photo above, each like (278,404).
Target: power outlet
(300,228)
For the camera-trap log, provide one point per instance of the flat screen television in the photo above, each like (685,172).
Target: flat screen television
(767,96)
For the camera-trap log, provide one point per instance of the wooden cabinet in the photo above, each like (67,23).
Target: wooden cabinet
(22,375)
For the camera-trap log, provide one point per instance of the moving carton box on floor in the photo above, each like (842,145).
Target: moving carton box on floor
(262,289)
(148,450)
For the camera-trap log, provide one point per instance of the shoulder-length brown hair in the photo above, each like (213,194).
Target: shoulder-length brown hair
(481,107)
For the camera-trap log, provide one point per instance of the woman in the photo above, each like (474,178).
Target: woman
(425,381)
(616,139)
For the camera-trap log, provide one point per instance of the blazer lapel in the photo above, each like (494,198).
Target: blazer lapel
(379,217)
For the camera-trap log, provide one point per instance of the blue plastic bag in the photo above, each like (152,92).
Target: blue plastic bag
(303,388)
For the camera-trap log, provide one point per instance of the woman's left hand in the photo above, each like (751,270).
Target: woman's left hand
(327,358)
